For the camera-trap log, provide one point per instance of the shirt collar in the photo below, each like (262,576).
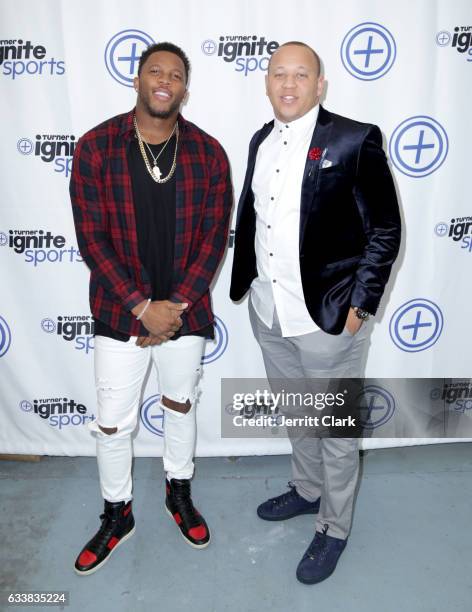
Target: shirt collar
(127,123)
(302,124)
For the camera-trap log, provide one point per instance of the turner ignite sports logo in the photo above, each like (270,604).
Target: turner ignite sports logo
(247,53)
(54,149)
(461,40)
(22,58)
(60,412)
(40,246)
(459,230)
(77,329)
(456,395)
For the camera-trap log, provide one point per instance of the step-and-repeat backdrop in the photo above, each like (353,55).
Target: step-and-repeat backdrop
(67,65)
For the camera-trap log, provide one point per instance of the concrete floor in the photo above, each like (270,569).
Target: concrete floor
(410,547)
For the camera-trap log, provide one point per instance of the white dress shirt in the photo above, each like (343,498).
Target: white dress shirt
(276,185)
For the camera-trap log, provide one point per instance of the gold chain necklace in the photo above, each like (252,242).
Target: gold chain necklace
(156,157)
(155,171)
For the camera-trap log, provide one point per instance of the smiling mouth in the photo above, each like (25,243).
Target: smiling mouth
(161,94)
(288,99)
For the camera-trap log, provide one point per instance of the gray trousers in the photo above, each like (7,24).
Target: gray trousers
(321,467)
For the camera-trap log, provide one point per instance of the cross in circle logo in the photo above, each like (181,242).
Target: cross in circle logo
(416,325)
(368,51)
(122,54)
(418,146)
(152,415)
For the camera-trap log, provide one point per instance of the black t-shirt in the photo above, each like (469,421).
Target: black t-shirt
(154,205)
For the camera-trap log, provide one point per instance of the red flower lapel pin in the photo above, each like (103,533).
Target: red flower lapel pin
(314,153)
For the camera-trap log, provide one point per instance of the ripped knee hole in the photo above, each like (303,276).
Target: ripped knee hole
(109,430)
(177,406)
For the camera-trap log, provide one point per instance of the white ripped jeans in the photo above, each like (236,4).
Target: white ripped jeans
(120,368)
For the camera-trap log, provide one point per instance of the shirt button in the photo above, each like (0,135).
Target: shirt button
(268,227)
(271,254)
(277,170)
(285,142)
(272,198)
(274,281)
(286,126)
(280,131)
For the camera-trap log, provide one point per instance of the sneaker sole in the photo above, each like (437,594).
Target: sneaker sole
(287,516)
(317,581)
(97,567)
(188,541)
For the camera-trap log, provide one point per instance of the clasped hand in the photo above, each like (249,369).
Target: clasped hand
(162,319)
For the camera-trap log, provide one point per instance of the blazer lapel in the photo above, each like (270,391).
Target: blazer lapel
(251,164)
(319,141)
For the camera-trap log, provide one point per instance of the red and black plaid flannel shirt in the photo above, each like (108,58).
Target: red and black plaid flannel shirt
(102,204)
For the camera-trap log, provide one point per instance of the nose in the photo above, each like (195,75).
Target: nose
(164,78)
(289,81)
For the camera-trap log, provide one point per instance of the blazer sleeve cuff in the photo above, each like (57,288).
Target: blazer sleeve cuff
(361,298)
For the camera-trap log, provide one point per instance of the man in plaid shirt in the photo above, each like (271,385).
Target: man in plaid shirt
(151,197)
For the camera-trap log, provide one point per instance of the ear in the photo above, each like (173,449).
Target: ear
(320,85)
(136,83)
(266,84)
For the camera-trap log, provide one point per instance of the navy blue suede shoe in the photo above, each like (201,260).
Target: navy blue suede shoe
(286,506)
(320,558)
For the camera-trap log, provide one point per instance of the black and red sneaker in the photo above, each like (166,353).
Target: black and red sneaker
(117,526)
(180,507)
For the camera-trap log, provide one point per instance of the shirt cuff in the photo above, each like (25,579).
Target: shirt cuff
(133,300)
(177,297)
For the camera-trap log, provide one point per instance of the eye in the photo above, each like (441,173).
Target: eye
(177,76)
(302,75)
(278,75)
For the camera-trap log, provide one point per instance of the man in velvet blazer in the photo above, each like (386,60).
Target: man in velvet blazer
(317,232)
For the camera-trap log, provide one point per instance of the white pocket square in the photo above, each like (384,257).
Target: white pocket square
(326,163)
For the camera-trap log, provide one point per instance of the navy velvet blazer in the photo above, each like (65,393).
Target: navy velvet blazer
(349,222)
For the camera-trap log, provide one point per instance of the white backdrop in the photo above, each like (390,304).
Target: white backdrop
(66,66)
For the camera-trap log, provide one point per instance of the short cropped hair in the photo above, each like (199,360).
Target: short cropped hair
(165,46)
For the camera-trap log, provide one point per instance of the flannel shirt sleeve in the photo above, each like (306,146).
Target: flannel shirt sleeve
(88,207)
(200,273)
